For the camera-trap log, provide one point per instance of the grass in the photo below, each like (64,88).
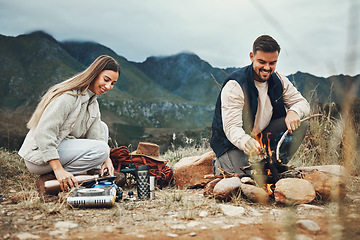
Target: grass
(14,174)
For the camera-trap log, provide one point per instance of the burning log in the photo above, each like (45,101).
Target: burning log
(270,168)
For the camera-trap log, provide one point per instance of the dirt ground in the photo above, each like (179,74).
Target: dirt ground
(177,214)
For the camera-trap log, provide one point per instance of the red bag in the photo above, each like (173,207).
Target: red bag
(121,158)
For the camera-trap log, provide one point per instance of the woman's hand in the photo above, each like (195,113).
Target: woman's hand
(65,178)
(108,167)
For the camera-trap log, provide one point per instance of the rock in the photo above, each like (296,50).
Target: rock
(65,225)
(232,211)
(308,225)
(203,213)
(251,212)
(37,217)
(121,178)
(209,188)
(190,171)
(255,194)
(310,207)
(247,180)
(178,227)
(56,233)
(172,235)
(227,226)
(328,187)
(192,234)
(336,170)
(26,235)
(193,224)
(294,191)
(225,187)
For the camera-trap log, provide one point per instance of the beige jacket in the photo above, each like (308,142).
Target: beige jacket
(65,117)
(232,103)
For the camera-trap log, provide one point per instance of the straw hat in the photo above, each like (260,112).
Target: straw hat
(150,150)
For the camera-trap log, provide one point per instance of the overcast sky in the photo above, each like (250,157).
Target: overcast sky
(320,37)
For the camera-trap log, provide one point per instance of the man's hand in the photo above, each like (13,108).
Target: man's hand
(292,120)
(252,146)
(108,167)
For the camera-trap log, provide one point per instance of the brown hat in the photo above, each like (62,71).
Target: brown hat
(150,150)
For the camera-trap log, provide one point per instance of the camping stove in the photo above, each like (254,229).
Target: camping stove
(101,192)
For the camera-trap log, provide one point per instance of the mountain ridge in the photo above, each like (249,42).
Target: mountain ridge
(176,92)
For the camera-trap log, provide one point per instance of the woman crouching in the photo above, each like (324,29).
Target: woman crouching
(66,134)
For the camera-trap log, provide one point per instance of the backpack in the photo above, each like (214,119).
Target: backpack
(122,159)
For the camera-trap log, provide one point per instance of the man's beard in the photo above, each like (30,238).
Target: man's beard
(259,78)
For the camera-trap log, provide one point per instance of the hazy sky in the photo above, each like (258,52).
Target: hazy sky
(320,37)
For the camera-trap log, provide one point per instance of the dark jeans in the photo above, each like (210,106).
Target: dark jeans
(234,159)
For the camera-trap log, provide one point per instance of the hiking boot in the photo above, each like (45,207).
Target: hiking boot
(40,182)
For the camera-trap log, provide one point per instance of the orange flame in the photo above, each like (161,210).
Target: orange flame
(268,189)
(259,139)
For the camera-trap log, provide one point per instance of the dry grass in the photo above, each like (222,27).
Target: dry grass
(14,174)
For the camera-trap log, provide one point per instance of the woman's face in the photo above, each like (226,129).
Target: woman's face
(104,82)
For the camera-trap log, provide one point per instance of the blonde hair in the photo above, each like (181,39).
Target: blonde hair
(81,82)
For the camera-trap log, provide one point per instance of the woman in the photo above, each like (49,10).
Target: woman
(66,134)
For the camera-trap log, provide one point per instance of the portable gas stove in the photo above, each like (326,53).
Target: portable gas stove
(101,192)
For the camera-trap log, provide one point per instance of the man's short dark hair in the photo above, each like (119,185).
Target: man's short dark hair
(266,43)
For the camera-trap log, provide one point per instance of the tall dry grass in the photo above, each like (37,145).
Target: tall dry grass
(14,174)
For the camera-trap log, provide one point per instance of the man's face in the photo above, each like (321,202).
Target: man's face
(264,64)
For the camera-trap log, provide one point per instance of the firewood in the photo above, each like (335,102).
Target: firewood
(226,174)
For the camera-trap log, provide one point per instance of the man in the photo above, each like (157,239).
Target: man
(253,100)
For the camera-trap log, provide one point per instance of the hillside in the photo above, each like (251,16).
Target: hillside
(168,93)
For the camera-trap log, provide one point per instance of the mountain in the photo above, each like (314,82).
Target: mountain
(324,90)
(185,75)
(162,95)
(29,65)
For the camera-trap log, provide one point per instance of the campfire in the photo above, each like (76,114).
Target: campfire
(267,169)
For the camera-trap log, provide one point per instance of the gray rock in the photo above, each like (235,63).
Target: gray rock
(178,227)
(225,187)
(65,225)
(247,180)
(232,211)
(309,225)
(310,207)
(174,235)
(26,235)
(192,234)
(203,213)
(193,224)
(228,226)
